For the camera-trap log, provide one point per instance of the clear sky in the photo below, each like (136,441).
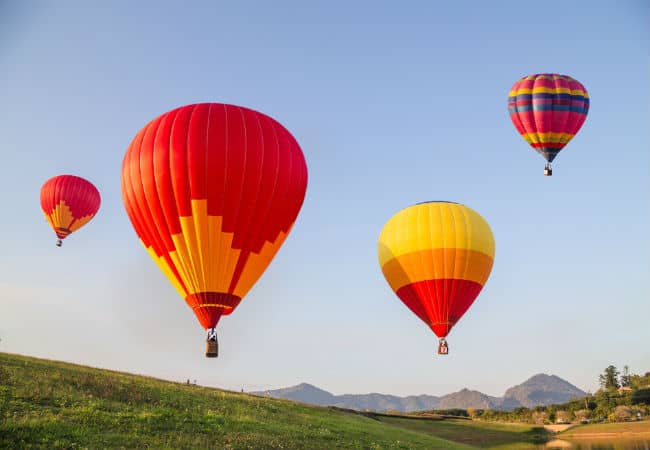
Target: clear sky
(393,103)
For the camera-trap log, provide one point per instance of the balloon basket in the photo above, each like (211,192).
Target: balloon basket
(548,171)
(211,349)
(443,348)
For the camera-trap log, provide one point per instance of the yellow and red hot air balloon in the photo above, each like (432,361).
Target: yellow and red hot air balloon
(212,191)
(437,256)
(68,202)
(548,110)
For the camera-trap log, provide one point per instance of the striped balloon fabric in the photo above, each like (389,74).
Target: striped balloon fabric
(437,256)
(548,110)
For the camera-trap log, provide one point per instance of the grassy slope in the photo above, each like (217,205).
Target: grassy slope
(608,429)
(46,404)
(480,434)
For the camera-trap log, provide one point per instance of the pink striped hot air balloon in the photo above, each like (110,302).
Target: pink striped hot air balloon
(548,110)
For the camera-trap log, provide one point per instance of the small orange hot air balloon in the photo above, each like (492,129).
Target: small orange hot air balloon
(213,190)
(437,256)
(68,202)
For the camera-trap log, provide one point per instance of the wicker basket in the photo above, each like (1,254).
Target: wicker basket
(211,349)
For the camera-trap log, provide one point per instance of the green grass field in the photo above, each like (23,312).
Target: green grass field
(481,434)
(618,428)
(47,404)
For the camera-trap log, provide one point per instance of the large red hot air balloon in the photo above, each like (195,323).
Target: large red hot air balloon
(548,110)
(68,203)
(212,191)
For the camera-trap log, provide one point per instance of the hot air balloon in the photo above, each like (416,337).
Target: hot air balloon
(212,191)
(548,110)
(437,256)
(68,202)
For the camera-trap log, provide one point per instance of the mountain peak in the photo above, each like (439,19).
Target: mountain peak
(303,392)
(543,389)
(540,389)
(306,386)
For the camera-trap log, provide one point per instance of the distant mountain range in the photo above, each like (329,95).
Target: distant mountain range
(538,390)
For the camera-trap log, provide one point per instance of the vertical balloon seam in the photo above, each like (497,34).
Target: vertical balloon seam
(431,289)
(442,281)
(58,211)
(140,208)
(467,223)
(92,194)
(450,281)
(580,117)
(255,233)
(540,135)
(242,257)
(162,175)
(188,236)
(145,202)
(446,306)
(73,189)
(437,288)
(250,177)
(531,127)
(559,84)
(197,230)
(177,258)
(289,175)
(219,267)
(54,213)
(551,148)
(226,264)
(572,116)
(569,114)
(136,214)
(290,167)
(87,197)
(210,250)
(514,115)
(194,232)
(60,187)
(271,198)
(156,200)
(227,189)
(140,202)
(532,122)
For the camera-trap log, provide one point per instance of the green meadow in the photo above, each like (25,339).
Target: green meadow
(49,404)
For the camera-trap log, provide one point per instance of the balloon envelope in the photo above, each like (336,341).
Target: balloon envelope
(68,202)
(213,190)
(437,256)
(548,110)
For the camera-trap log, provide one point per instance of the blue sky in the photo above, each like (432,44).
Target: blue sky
(393,103)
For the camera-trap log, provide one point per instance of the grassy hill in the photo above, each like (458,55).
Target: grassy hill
(641,428)
(48,404)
